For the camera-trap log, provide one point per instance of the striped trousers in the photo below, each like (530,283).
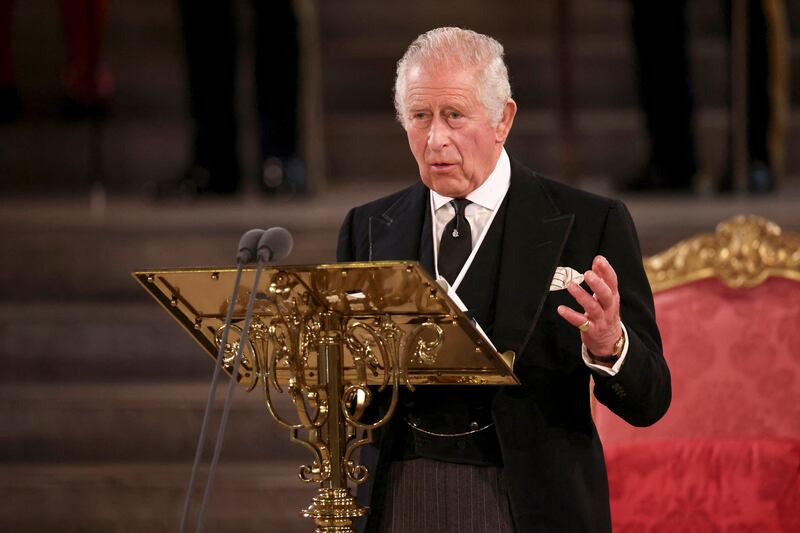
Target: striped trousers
(426,496)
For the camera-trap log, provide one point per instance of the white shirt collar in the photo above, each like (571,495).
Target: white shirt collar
(491,191)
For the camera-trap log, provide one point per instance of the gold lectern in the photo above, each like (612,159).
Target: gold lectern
(326,334)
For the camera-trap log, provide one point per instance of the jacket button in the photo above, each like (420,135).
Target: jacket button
(462,445)
(474,425)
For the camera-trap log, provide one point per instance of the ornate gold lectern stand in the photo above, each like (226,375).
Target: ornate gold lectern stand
(328,336)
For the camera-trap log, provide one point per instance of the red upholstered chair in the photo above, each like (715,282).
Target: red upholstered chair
(726,456)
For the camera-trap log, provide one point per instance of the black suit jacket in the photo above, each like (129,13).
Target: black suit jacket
(551,451)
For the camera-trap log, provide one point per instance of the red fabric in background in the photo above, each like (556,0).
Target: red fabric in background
(734,356)
(698,486)
(726,456)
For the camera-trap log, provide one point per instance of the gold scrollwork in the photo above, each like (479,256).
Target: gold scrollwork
(320,469)
(291,342)
(249,368)
(375,347)
(356,473)
(363,339)
(316,472)
(742,252)
(424,351)
(471,380)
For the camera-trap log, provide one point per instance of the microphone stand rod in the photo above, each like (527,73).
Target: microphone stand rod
(211,396)
(229,394)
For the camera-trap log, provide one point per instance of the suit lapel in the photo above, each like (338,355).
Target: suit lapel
(533,240)
(404,230)
(425,253)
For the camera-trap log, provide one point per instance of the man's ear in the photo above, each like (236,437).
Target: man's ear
(504,126)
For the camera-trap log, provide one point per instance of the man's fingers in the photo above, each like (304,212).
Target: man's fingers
(603,268)
(572,316)
(600,308)
(590,305)
(602,292)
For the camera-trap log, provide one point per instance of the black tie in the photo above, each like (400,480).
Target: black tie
(456,243)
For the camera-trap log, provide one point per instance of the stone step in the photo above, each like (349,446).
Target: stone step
(118,497)
(603,69)
(97,342)
(130,422)
(95,264)
(603,72)
(363,142)
(509,16)
(97,245)
(91,257)
(609,143)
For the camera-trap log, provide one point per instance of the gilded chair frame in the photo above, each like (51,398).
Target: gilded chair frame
(742,252)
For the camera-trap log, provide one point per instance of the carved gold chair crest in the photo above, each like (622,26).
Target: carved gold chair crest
(743,252)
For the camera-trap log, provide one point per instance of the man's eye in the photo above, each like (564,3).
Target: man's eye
(420,119)
(454,115)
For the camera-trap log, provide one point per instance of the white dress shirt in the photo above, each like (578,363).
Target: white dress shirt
(485,202)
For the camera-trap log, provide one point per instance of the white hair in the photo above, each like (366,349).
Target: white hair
(460,48)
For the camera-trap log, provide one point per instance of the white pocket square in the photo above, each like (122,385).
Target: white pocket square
(563,277)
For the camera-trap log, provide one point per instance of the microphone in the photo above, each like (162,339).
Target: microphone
(275,244)
(248,245)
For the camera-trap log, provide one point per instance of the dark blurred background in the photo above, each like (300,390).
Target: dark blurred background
(101,394)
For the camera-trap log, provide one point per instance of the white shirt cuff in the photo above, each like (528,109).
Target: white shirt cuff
(617,365)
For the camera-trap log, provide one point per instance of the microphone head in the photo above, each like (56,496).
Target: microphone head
(248,246)
(275,244)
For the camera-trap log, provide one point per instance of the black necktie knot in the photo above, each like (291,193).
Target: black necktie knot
(460,205)
(456,243)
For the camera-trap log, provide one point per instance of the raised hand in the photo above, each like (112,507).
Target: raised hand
(599,323)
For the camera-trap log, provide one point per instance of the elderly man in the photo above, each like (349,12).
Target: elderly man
(517,458)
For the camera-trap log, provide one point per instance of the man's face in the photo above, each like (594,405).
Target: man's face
(449,130)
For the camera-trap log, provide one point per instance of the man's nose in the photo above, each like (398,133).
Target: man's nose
(438,135)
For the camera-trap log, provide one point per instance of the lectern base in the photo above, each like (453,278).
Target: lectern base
(333,511)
